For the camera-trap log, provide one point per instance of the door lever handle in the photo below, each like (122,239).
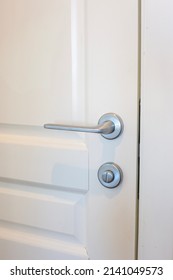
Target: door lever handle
(109,126)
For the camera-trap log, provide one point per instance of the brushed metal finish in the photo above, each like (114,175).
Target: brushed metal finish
(110,175)
(109,126)
(118,125)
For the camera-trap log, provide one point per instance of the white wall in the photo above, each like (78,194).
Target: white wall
(156,182)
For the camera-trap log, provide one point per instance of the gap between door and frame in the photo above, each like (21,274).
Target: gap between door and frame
(139,124)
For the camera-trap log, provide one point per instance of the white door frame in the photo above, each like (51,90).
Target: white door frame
(156,183)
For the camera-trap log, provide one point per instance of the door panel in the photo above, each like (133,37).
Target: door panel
(32,155)
(27,206)
(35,61)
(67,62)
(20,242)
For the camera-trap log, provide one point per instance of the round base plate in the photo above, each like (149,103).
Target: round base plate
(117,123)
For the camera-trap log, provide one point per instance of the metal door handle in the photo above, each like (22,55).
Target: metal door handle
(109,126)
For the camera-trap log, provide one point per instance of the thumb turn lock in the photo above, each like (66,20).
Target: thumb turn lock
(110,175)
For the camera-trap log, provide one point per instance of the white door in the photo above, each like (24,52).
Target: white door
(67,62)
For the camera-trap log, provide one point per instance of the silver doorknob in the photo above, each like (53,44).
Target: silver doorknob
(109,126)
(110,175)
